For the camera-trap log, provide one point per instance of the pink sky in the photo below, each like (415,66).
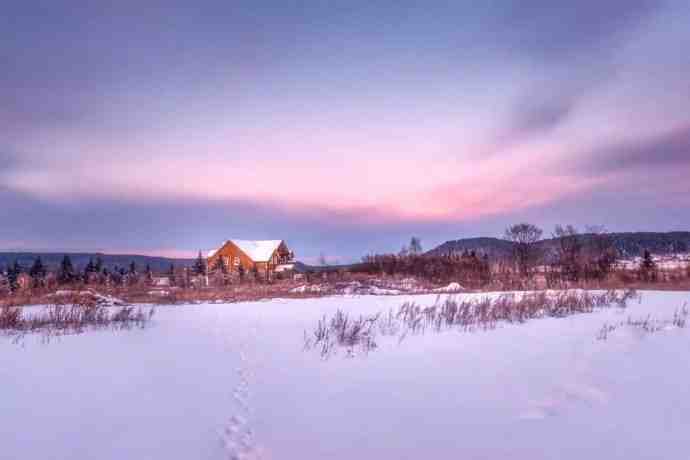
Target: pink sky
(316,124)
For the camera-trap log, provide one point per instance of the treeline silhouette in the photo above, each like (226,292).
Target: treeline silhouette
(571,258)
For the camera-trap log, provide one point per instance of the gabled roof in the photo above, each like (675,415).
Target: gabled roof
(212,252)
(256,250)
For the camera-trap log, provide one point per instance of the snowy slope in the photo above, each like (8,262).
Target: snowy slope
(234,381)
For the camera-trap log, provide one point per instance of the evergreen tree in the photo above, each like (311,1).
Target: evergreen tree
(88,270)
(220,266)
(98,266)
(132,276)
(647,261)
(199,267)
(415,245)
(241,272)
(11,278)
(148,273)
(13,275)
(38,272)
(90,267)
(648,267)
(66,271)
(171,274)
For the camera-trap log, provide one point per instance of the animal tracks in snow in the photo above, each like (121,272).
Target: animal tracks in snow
(237,436)
(576,388)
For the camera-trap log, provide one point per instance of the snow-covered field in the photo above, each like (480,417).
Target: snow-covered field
(234,381)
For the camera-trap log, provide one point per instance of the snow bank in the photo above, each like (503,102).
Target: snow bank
(452,287)
(306,288)
(375,290)
(351,288)
(100,299)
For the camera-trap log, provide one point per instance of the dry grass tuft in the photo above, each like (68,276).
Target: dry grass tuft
(359,334)
(70,318)
(647,324)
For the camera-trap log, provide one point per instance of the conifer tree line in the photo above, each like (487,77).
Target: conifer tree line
(66,273)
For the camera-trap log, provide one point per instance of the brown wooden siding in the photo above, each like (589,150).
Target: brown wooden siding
(231,251)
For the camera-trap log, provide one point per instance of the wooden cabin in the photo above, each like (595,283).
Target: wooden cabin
(266,256)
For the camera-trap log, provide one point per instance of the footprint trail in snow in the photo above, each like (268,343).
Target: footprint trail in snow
(577,387)
(237,437)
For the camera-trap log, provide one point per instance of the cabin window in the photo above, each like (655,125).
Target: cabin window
(237,261)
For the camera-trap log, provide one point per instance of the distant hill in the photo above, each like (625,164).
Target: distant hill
(629,244)
(80,259)
(495,248)
(634,244)
(301,267)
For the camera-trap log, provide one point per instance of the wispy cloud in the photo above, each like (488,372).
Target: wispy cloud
(555,30)
(344,127)
(670,149)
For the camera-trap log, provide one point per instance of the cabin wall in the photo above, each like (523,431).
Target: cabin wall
(231,251)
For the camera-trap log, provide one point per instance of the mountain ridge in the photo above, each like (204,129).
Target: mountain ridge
(629,244)
(79,259)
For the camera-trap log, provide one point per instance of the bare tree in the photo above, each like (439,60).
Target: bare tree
(526,252)
(587,256)
(568,252)
(602,253)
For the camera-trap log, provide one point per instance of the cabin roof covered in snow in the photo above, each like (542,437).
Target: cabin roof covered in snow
(257,250)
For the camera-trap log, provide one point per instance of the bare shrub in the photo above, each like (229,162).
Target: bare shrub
(71,318)
(582,257)
(511,308)
(468,268)
(647,324)
(680,317)
(343,331)
(360,333)
(10,317)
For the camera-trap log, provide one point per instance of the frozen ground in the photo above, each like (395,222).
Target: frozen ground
(233,381)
